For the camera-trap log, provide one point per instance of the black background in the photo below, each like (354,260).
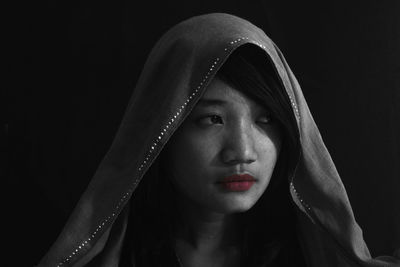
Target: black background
(72,66)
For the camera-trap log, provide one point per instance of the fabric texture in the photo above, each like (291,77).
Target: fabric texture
(175,76)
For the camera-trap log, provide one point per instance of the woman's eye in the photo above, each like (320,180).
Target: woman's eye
(210,119)
(266,119)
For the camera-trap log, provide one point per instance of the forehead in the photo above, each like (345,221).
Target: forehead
(222,93)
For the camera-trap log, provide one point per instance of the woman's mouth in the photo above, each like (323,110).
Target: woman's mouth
(237,182)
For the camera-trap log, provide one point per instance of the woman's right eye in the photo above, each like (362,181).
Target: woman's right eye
(210,120)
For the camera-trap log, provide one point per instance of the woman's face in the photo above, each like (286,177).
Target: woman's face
(223,155)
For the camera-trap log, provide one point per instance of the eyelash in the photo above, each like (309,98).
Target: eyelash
(269,119)
(202,119)
(213,116)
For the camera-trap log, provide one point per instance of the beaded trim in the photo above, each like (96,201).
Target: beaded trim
(295,108)
(303,203)
(153,146)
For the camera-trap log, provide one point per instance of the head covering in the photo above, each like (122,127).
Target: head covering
(176,74)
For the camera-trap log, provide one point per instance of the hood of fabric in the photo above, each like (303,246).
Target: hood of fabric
(175,75)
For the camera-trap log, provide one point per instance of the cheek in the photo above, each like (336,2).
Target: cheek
(268,151)
(268,155)
(191,158)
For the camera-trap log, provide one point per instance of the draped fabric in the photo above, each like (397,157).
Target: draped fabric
(176,73)
(71,68)
(351,83)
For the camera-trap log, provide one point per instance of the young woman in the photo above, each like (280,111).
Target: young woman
(217,162)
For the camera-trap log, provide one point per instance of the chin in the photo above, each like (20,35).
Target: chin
(238,205)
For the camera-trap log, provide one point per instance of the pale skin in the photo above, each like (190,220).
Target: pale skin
(226,133)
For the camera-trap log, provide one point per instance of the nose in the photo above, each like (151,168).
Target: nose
(239,147)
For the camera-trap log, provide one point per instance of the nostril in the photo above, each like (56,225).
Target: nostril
(232,156)
(239,146)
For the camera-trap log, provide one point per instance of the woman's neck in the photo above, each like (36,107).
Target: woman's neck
(204,229)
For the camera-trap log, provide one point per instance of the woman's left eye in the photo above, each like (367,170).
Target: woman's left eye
(211,119)
(266,119)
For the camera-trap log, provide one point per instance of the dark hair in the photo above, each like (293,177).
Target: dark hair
(269,236)
(246,71)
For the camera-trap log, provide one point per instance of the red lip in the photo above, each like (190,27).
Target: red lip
(237,182)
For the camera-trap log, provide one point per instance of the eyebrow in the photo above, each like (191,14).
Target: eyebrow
(206,102)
